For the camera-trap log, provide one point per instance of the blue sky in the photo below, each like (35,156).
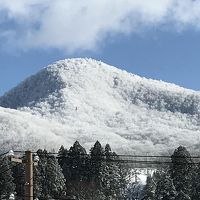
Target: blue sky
(158,42)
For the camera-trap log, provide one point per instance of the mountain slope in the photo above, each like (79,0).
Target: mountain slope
(92,100)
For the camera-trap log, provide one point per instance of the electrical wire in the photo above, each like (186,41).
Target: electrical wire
(116,158)
(5,166)
(117,155)
(3,154)
(10,168)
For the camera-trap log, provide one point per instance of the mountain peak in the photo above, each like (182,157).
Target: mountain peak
(48,84)
(95,101)
(76,77)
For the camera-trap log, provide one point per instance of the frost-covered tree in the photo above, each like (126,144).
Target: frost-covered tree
(64,161)
(96,166)
(181,170)
(114,178)
(149,189)
(108,152)
(7,185)
(62,156)
(52,181)
(37,187)
(42,178)
(196,183)
(182,196)
(55,178)
(96,162)
(165,188)
(108,177)
(125,177)
(77,155)
(77,176)
(19,178)
(134,191)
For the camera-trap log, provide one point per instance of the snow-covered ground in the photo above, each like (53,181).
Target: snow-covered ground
(87,100)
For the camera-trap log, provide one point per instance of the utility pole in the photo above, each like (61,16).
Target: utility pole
(28,173)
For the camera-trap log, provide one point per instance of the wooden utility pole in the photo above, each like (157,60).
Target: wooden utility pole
(28,173)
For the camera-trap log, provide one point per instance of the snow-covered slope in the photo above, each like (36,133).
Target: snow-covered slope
(87,100)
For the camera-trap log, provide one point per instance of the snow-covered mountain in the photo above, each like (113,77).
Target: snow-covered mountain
(87,100)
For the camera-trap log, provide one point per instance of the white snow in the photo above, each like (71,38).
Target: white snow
(87,100)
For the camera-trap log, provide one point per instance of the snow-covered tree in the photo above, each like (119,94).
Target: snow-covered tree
(77,179)
(195,194)
(96,162)
(7,186)
(113,176)
(55,178)
(181,170)
(37,187)
(19,178)
(149,189)
(108,152)
(77,155)
(182,196)
(62,156)
(108,176)
(52,181)
(134,191)
(165,188)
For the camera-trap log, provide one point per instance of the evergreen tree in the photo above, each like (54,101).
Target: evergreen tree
(96,163)
(182,196)
(149,189)
(42,168)
(124,179)
(19,179)
(196,183)
(62,156)
(77,155)
(65,161)
(181,170)
(55,178)
(108,177)
(7,186)
(37,187)
(108,152)
(134,191)
(165,188)
(77,175)
(51,181)
(96,166)
(111,175)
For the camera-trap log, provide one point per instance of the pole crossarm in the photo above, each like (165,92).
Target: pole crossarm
(16,160)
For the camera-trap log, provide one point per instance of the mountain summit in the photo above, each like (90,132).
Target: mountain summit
(88,100)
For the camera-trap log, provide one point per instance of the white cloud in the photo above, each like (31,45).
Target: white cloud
(83,24)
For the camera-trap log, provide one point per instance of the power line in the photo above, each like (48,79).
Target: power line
(3,154)
(3,167)
(116,158)
(9,168)
(117,155)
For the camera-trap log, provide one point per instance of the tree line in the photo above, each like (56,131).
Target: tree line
(74,174)
(179,181)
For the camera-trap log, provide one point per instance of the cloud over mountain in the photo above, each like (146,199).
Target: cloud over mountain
(83,25)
